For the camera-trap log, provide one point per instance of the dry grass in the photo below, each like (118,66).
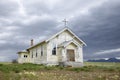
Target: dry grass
(60,75)
(40,72)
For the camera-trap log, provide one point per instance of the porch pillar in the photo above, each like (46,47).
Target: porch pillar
(64,55)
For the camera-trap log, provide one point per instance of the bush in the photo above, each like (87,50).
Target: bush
(1,64)
(61,68)
(14,61)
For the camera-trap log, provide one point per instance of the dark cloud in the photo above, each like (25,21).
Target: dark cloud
(7,8)
(95,22)
(57,8)
(40,27)
(10,45)
(102,29)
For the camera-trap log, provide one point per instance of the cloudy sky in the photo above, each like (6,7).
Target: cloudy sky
(97,22)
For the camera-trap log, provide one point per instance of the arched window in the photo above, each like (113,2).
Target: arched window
(54,51)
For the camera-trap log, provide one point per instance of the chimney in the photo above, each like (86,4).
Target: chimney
(31,42)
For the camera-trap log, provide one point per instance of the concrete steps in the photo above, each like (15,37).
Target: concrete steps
(71,64)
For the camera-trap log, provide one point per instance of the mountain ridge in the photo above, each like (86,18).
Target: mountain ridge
(104,60)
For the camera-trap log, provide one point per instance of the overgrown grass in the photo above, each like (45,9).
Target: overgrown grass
(35,67)
(19,67)
(103,64)
(98,71)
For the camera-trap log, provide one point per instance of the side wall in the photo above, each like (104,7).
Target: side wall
(23,57)
(38,54)
(79,57)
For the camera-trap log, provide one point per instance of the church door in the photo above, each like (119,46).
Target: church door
(70,55)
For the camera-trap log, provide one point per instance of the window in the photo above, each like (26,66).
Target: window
(54,51)
(25,56)
(54,48)
(41,53)
(32,54)
(41,50)
(36,52)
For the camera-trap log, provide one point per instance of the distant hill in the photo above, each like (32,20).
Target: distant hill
(104,60)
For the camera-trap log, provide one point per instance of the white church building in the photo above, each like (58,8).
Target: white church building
(63,48)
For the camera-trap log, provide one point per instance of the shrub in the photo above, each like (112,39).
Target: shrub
(1,64)
(61,67)
(14,61)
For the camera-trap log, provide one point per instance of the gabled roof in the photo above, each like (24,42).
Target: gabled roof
(23,51)
(36,44)
(58,34)
(66,43)
(70,32)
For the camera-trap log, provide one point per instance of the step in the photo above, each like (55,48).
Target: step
(72,64)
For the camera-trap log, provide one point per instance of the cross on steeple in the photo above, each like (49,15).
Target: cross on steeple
(65,22)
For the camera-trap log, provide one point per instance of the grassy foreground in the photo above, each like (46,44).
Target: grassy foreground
(91,71)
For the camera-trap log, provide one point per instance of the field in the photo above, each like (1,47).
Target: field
(91,71)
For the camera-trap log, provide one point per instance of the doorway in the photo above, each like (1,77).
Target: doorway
(70,55)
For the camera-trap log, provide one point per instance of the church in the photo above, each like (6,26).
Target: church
(63,48)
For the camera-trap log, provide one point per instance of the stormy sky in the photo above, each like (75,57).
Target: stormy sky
(96,22)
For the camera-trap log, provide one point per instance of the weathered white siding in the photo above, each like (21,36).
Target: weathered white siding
(80,54)
(22,58)
(35,56)
(64,36)
(53,59)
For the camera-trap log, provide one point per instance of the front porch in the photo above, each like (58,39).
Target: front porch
(70,55)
